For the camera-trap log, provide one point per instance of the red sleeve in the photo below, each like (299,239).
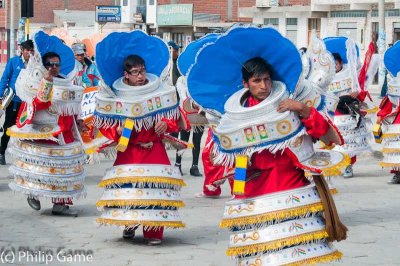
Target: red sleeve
(315,124)
(172,125)
(110,133)
(39,105)
(385,107)
(361,96)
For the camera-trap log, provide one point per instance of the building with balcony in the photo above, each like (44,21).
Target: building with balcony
(354,18)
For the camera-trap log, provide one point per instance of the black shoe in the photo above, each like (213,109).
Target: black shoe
(128,233)
(2,159)
(180,168)
(64,210)
(194,171)
(34,203)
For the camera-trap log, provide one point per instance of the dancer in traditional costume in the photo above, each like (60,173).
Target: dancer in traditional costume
(197,121)
(142,188)
(369,68)
(349,118)
(214,175)
(277,219)
(388,115)
(48,157)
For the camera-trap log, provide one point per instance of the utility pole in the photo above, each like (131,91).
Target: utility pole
(66,5)
(381,41)
(230,10)
(12,29)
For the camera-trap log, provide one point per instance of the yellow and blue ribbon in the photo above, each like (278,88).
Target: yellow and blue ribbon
(126,135)
(239,180)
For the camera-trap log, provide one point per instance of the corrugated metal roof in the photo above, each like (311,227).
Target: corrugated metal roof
(205,17)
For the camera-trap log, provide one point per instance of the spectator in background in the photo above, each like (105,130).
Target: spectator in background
(175,54)
(183,134)
(87,69)
(10,75)
(384,85)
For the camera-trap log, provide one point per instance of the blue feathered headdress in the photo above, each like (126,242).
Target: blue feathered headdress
(187,57)
(392,59)
(45,43)
(112,51)
(338,45)
(216,74)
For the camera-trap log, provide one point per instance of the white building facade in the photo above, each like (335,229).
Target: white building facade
(357,19)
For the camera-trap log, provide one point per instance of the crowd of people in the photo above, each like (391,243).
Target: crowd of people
(265,109)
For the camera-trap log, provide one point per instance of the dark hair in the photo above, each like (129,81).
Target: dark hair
(337,57)
(255,67)
(303,50)
(348,105)
(49,55)
(133,60)
(28,44)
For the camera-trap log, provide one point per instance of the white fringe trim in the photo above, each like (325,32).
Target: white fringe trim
(146,123)
(63,108)
(197,129)
(147,206)
(110,152)
(48,179)
(93,158)
(262,225)
(361,139)
(47,194)
(147,185)
(61,162)
(55,139)
(228,159)
(135,226)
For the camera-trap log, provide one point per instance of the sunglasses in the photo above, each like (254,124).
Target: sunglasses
(52,64)
(136,72)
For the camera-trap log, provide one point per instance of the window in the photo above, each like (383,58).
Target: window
(396,32)
(178,38)
(125,3)
(2,3)
(375,27)
(151,2)
(291,21)
(348,29)
(271,21)
(388,13)
(314,24)
(291,30)
(349,14)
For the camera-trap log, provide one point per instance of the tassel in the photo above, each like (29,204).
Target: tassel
(377,130)
(336,230)
(239,180)
(126,135)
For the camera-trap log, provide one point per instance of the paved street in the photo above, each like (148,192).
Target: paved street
(367,205)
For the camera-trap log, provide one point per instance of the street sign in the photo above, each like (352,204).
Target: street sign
(175,15)
(108,14)
(21,31)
